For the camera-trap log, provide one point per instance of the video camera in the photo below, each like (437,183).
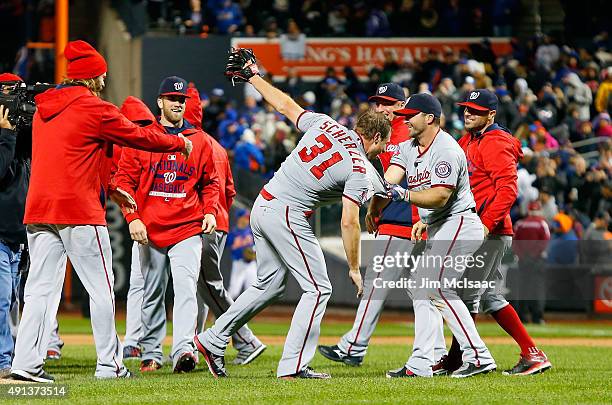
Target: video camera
(18,97)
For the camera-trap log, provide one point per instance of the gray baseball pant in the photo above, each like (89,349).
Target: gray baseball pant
(355,342)
(133,316)
(89,250)
(212,294)
(433,293)
(285,244)
(184,260)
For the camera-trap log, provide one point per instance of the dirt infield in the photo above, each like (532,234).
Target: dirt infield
(82,339)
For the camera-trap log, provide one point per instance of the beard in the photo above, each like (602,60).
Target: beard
(172,116)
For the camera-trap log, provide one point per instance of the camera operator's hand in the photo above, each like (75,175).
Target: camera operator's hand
(4,122)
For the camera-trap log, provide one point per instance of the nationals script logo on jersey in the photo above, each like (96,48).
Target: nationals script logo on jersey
(419,179)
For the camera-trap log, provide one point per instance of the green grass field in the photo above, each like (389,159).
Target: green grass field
(581,374)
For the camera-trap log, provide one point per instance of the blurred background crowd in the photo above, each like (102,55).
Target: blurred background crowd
(555,93)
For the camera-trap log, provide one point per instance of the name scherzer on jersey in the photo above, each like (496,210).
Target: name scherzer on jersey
(329,162)
(442,164)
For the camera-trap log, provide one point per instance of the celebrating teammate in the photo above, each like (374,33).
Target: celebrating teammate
(328,165)
(437,174)
(393,234)
(176,201)
(492,155)
(65,209)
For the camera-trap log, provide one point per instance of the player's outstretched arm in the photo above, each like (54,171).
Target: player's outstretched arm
(242,67)
(279,100)
(351,238)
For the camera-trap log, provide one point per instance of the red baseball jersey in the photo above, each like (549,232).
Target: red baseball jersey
(492,158)
(227,192)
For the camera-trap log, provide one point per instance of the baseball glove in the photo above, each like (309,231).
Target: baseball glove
(241,65)
(248,255)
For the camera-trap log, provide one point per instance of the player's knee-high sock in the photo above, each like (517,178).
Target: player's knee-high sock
(455,353)
(509,320)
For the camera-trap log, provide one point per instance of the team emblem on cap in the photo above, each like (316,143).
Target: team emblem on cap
(178,86)
(474,95)
(382,89)
(443,169)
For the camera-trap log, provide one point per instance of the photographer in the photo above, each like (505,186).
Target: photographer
(73,133)
(14,178)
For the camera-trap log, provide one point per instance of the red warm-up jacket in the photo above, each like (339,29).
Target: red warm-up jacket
(172,193)
(73,130)
(136,111)
(227,192)
(492,158)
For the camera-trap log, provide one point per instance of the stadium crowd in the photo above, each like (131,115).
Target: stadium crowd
(555,99)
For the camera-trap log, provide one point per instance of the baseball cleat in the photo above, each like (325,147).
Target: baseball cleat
(53,354)
(471,369)
(445,366)
(307,373)
(186,363)
(246,356)
(131,352)
(125,374)
(149,365)
(530,364)
(215,363)
(403,372)
(40,377)
(334,353)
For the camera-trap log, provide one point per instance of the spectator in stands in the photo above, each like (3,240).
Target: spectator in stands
(294,86)
(547,53)
(377,24)
(293,43)
(531,236)
(578,93)
(248,155)
(603,100)
(598,249)
(228,17)
(563,247)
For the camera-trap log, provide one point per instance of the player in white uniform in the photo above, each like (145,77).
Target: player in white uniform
(438,184)
(328,165)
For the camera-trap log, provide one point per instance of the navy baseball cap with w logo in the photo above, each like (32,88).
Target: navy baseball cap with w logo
(481,100)
(173,86)
(388,92)
(421,103)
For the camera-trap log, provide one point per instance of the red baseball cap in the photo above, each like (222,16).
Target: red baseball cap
(9,77)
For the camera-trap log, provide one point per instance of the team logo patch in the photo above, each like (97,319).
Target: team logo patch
(443,169)
(474,95)
(382,89)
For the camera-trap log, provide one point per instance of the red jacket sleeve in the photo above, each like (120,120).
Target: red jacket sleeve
(210,181)
(127,177)
(499,160)
(115,128)
(230,190)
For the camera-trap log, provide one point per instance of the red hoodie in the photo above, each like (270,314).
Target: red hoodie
(172,194)
(227,192)
(492,158)
(72,132)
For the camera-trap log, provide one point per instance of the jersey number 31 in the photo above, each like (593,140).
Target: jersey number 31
(307,154)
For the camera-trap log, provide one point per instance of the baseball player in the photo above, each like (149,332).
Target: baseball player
(137,112)
(328,165)
(436,170)
(73,129)
(393,236)
(211,291)
(244,268)
(492,155)
(176,201)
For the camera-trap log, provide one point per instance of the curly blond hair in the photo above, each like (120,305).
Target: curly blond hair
(92,84)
